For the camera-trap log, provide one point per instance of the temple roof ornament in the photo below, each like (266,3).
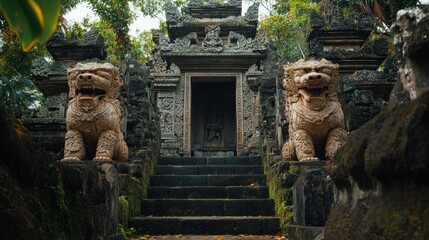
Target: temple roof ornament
(185,43)
(252,13)
(172,14)
(239,42)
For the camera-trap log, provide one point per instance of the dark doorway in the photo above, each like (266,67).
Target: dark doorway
(213,117)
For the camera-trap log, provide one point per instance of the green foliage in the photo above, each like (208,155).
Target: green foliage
(154,8)
(18,94)
(32,21)
(139,48)
(123,212)
(286,29)
(117,16)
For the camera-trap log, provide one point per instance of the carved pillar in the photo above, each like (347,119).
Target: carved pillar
(166,80)
(252,118)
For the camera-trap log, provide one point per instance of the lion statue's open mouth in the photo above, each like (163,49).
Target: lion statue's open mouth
(90,91)
(316,120)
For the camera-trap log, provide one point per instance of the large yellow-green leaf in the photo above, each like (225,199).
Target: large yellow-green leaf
(51,11)
(32,20)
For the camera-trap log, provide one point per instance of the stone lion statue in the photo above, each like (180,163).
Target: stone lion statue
(316,120)
(94,114)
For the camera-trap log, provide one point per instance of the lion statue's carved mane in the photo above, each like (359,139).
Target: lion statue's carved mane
(94,114)
(316,120)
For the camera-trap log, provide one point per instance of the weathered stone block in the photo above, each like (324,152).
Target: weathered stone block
(91,193)
(311,191)
(380,177)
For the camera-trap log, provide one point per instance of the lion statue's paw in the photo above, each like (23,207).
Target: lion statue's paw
(101,158)
(70,159)
(309,159)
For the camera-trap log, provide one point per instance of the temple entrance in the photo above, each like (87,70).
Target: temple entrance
(213,117)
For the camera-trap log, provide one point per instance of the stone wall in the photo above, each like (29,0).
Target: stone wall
(380,174)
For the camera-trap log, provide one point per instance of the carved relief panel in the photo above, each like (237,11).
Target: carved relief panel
(166,106)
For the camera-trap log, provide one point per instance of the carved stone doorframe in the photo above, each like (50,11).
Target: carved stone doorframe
(238,109)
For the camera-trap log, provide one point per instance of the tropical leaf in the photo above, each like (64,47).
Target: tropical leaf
(32,21)
(51,12)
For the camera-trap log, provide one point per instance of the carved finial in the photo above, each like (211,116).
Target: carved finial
(159,65)
(252,13)
(164,42)
(174,68)
(172,14)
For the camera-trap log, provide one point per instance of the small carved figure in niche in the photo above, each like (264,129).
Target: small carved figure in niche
(94,114)
(316,120)
(212,42)
(213,125)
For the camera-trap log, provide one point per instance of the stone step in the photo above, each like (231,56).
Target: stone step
(212,169)
(206,225)
(207,207)
(230,192)
(208,180)
(241,160)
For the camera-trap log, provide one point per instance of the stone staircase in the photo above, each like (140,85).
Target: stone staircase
(207,196)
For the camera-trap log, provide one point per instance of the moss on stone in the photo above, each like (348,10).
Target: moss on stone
(276,171)
(123,211)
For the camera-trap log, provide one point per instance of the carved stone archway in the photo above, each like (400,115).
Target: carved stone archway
(187,109)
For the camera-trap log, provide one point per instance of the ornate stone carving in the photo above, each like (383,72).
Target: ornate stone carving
(172,14)
(159,65)
(164,77)
(164,42)
(94,114)
(239,113)
(316,120)
(196,3)
(253,77)
(185,43)
(239,42)
(53,107)
(212,42)
(236,3)
(166,106)
(252,13)
(213,127)
(201,3)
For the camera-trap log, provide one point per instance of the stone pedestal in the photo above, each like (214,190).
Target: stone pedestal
(312,200)
(91,196)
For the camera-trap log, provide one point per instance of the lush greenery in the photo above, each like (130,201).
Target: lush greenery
(286,28)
